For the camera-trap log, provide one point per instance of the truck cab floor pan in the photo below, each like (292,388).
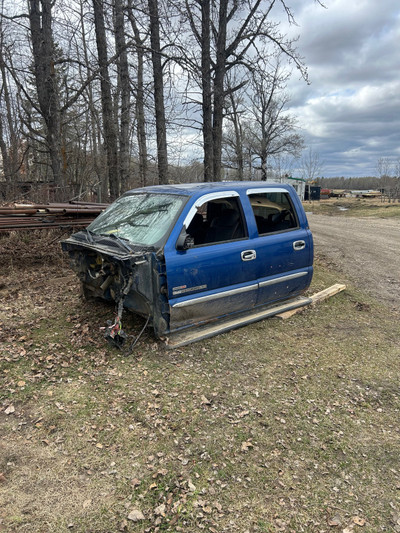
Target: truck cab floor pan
(194,334)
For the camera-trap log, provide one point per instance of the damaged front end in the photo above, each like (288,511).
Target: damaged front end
(132,277)
(119,257)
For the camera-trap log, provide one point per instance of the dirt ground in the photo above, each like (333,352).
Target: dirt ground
(280,426)
(367,250)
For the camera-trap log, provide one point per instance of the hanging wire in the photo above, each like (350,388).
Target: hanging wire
(136,340)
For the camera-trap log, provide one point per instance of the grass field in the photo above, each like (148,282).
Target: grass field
(279,426)
(355,207)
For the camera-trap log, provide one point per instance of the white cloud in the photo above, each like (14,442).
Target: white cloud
(351,110)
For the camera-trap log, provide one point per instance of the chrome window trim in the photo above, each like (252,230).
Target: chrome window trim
(207,198)
(266,190)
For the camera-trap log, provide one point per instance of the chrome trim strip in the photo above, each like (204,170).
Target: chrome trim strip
(207,198)
(282,278)
(266,190)
(216,296)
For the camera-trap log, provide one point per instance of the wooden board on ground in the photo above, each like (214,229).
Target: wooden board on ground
(316,298)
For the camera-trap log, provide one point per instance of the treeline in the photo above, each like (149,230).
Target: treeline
(364,183)
(102,97)
(388,185)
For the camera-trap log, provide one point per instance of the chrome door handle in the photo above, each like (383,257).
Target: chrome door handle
(299,245)
(248,255)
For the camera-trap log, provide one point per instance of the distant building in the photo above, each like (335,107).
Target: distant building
(313,192)
(298,183)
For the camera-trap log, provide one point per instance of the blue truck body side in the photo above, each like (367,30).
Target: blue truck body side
(182,287)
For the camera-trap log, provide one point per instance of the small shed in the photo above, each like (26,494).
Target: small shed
(313,192)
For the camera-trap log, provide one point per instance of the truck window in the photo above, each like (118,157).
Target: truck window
(273,212)
(218,220)
(143,218)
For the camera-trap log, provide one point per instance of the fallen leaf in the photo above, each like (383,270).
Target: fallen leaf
(123,525)
(21,383)
(359,521)
(136,515)
(160,510)
(162,472)
(99,445)
(335,521)
(246,446)
(10,410)
(191,487)
(205,401)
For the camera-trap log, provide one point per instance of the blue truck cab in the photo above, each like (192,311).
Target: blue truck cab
(198,259)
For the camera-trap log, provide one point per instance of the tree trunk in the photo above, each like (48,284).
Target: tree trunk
(95,137)
(238,136)
(4,153)
(207,90)
(110,135)
(264,171)
(46,80)
(158,92)
(140,116)
(123,76)
(11,162)
(220,69)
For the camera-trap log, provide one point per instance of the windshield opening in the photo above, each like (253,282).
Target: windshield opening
(140,218)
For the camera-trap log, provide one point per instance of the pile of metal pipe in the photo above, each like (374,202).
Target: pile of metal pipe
(52,215)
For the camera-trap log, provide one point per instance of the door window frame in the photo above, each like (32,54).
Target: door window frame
(266,191)
(202,200)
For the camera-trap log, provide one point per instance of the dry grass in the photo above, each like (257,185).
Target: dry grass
(354,207)
(278,426)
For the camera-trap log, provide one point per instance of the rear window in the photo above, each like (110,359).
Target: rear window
(140,218)
(273,212)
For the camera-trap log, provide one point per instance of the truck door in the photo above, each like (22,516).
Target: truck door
(284,245)
(217,276)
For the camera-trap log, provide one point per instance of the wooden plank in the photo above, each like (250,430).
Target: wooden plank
(327,293)
(316,298)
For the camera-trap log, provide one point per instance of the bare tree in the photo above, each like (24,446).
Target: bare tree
(205,44)
(388,171)
(140,96)
(40,18)
(272,129)
(311,165)
(95,143)
(384,167)
(124,86)
(110,134)
(230,34)
(234,134)
(158,91)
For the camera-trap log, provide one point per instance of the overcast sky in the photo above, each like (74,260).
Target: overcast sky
(350,113)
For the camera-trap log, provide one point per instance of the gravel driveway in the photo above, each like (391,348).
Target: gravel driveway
(367,250)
